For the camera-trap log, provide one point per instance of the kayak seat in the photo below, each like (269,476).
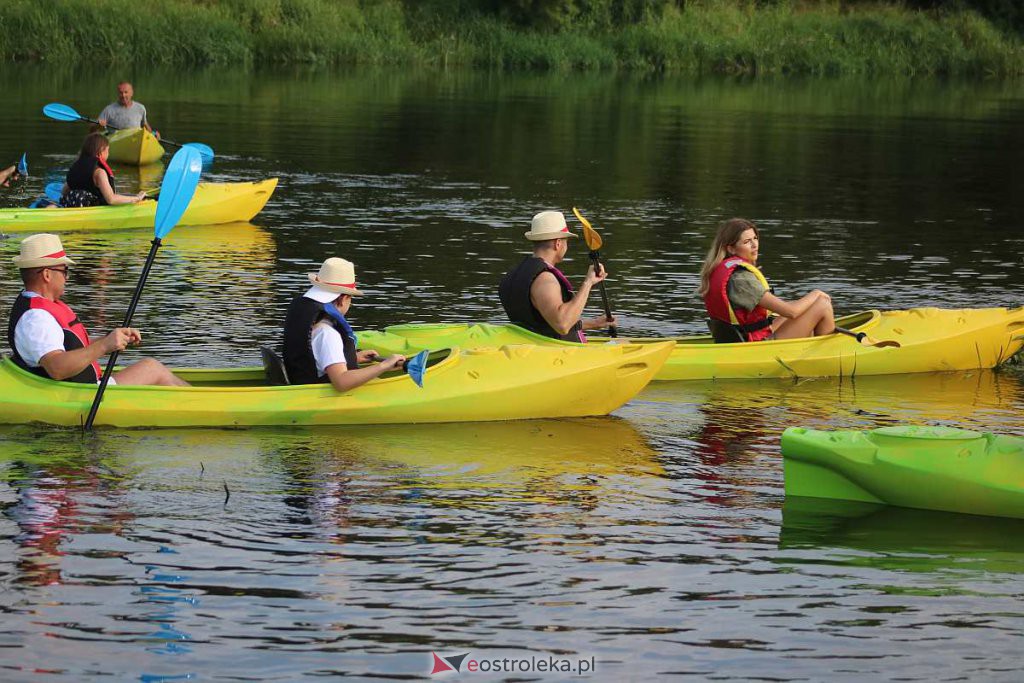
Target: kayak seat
(273,367)
(723,332)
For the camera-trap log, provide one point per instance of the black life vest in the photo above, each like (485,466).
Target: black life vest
(79,179)
(75,334)
(297,351)
(514,292)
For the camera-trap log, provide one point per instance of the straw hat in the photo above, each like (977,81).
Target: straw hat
(548,225)
(41,250)
(336,276)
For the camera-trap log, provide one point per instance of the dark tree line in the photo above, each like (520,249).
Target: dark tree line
(607,14)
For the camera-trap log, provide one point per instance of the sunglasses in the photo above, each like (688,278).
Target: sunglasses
(65,271)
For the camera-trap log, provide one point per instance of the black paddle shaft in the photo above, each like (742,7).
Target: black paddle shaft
(172,143)
(859,336)
(595,256)
(109,370)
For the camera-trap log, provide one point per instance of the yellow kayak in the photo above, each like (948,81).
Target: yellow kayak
(472,385)
(931,340)
(135,146)
(213,203)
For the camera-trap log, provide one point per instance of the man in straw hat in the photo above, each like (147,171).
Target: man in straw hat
(319,344)
(537,296)
(45,335)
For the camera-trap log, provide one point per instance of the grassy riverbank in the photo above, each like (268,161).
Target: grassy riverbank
(703,37)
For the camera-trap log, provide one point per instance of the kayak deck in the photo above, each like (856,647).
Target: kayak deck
(933,468)
(931,340)
(134,146)
(213,204)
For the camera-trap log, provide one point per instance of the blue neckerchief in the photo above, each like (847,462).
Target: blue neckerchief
(332,310)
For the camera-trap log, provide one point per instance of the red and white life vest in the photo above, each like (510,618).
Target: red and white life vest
(75,334)
(755,325)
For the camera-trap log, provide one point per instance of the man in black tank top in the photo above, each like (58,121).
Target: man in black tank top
(537,296)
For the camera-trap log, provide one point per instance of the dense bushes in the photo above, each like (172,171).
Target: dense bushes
(764,36)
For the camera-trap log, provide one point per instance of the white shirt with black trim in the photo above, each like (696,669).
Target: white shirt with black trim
(328,348)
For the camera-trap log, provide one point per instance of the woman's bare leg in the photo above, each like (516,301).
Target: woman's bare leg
(815,321)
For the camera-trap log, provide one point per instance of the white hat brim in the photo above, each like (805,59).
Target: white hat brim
(336,289)
(322,295)
(20,262)
(540,237)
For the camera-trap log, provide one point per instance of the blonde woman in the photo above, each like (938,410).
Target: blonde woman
(736,294)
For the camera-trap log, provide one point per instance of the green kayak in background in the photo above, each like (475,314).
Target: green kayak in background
(934,468)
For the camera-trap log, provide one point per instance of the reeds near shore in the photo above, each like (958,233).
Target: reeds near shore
(707,37)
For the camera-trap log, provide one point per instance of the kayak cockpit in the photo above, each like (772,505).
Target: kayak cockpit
(261,376)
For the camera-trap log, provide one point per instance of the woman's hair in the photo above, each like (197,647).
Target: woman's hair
(728,233)
(93,145)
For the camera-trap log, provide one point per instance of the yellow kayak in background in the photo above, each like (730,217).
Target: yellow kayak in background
(471,385)
(931,340)
(135,146)
(213,203)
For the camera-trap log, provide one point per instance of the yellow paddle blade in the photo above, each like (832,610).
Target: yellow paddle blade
(590,235)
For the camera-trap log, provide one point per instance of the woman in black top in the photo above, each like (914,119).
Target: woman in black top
(90,182)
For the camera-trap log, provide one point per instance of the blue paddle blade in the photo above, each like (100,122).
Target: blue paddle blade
(23,165)
(205,150)
(416,366)
(176,192)
(52,191)
(61,112)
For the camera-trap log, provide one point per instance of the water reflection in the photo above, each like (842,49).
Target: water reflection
(903,539)
(756,412)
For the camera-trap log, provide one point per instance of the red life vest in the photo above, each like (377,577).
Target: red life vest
(754,325)
(75,334)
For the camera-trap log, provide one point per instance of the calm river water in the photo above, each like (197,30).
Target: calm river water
(654,542)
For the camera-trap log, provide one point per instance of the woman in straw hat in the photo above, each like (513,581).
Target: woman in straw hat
(45,335)
(319,344)
(536,295)
(737,295)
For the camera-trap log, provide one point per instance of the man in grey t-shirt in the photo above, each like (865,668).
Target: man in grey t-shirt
(125,113)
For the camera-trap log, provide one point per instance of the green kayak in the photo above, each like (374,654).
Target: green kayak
(934,468)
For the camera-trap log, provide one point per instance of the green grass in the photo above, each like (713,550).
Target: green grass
(703,37)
